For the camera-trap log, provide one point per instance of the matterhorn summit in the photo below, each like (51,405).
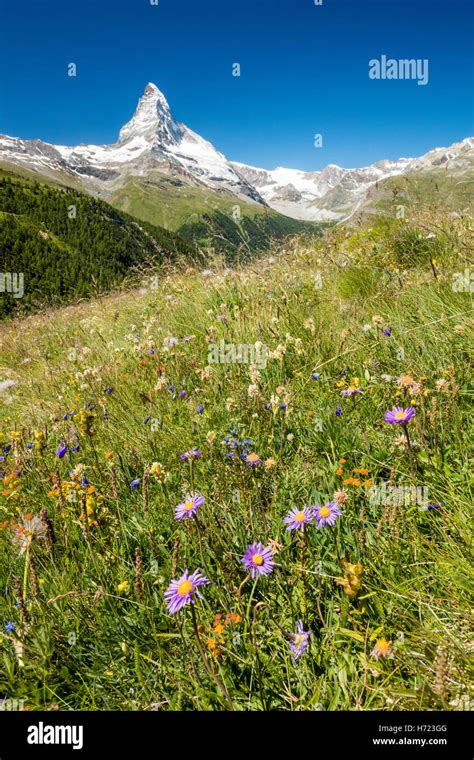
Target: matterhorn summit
(152,120)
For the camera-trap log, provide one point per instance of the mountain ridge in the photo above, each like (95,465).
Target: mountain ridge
(153,143)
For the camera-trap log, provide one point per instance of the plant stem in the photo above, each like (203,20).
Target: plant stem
(216,680)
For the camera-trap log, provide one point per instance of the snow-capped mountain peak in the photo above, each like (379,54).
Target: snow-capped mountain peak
(152,120)
(153,141)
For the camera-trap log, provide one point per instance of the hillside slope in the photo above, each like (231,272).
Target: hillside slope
(105,446)
(69,246)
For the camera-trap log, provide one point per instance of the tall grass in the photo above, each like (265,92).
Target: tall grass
(84,639)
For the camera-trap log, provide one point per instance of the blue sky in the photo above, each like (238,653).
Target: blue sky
(304,70)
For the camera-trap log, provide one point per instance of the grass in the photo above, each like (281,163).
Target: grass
(92,631)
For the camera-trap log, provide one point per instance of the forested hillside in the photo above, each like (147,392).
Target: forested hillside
(68,245)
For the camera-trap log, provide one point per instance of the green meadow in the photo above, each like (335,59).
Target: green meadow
(106,395)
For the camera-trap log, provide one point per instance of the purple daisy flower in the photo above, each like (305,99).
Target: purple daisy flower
(399,415)
(186,456)
(387,332)
(298,518)
(181,592)
(200,409)
(182,394)
(189,507)
(258,559)
(299,641)
(351,390)
(252,460)
(338,411)
(328,514)
(62,450)
(135,483)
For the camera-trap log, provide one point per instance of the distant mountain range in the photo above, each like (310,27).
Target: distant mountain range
(163,172)
(336,193)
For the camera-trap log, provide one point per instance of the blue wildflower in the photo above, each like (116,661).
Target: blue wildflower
(62,450)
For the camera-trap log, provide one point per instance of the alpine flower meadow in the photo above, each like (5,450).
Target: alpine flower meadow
(233,491)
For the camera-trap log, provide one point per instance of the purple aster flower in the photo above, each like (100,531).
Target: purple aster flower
(252,460)
(109,389)
(189,507)
(351,390)
(182,394)
(328,514)
(186,456)
(338,411)
(298,518)
(387,332)
(62,450)
(6,449)
(283,406)
(84,482)
(315,375)
(76,448)
(135,483)
(9,627)
(399,415)
(171,388)
(299,641)
(181,592)
(200,409)
(258,560)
